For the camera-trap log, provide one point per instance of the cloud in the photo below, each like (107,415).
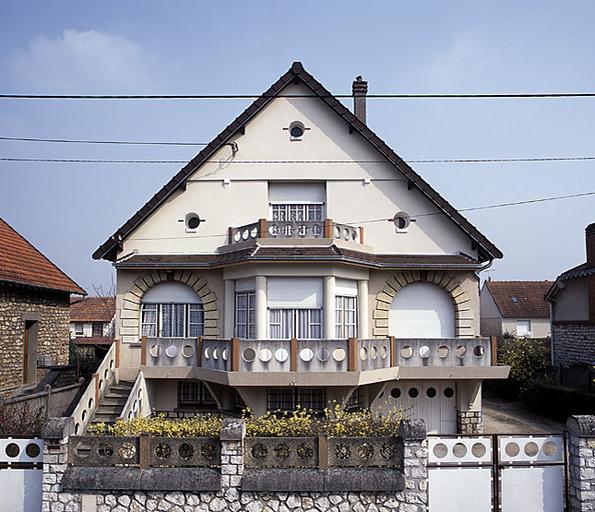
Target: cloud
(83,61)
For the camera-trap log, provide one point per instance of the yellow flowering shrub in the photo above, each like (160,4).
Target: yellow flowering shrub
(335,422)
(159,425)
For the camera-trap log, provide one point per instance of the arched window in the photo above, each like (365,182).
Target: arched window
(172,310)
(422,310)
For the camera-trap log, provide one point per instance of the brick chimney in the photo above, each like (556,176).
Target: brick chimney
(590,239)
(359,88)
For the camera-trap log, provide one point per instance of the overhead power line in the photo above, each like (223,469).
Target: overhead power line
(473,208)
(430,96)
(308,162)
(127,142)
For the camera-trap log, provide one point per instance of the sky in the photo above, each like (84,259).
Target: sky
(242,47)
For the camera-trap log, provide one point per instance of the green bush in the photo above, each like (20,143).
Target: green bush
(529,361)
(559,402)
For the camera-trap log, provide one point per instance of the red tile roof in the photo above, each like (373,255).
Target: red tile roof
(521,299)
(21,263)
(93,309)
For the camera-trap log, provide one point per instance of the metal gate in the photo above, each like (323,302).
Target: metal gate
(21,471)
(497,473)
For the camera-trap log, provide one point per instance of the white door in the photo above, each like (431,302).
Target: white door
(433,401)
(422,310)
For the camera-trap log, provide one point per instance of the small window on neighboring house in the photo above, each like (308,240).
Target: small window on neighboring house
(523,327)
(97,328)
(79,329)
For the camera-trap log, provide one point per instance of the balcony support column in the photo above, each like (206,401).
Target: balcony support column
(329,307)
(362,309)
(229,304)
(260,307)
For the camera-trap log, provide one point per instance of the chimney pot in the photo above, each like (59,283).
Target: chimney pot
(359,90)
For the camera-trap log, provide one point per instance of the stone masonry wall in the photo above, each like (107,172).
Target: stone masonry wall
(581,463)
(231,497)
(52,336)
(573,344)
(469,422)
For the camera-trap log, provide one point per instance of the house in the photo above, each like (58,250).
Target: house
(92,320)
(515,308)
(298,260)
(34,312)
(572,299)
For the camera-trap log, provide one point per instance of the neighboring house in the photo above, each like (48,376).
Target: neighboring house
(515,308)
(235,287)
(572,297)
(92,320)
(34,312)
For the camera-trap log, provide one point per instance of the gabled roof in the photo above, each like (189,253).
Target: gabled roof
(520,299)
(583,270)
(93,309)
(23,264)
(296,74)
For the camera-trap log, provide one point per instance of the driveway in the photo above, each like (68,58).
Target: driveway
(512,417)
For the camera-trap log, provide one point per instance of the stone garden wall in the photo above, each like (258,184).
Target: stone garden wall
(573,343)
(175,489)
(53,313)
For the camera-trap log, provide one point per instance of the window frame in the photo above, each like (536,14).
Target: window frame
(311,211)
(293,317)
(249,311)
(81,331)
(201,396)
(287,399)
(344,329)
(159,325)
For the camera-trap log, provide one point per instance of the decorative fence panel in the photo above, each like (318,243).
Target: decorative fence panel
(21,472)
(144,451)
(505,473)
(281,452)
(358,452)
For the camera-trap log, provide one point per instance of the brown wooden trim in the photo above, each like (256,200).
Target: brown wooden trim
(235,355)
(393,351)
(322,453)
(262,228)
(328,228)
(352,355)
(494,349)
(199,351)
(293,355)
(361,234)
(143,351)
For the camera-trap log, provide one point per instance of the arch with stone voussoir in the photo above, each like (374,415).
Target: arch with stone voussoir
(130,313)
(460,298)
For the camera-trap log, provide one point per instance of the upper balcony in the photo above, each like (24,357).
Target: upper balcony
(294,231)
(321,362)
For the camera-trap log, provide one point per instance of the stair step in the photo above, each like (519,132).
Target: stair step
(109,409)
(104,418)
(113,400)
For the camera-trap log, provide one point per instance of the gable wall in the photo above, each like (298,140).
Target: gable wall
(245,199)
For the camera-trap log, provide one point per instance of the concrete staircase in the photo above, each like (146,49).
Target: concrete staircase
(112,403)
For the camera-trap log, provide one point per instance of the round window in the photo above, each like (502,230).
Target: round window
(413,392)
(395,392)
(192,221)
(449,392)
(401,221)
(296,130)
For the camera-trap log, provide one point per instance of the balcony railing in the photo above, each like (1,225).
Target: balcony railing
(339,355)
(296,230)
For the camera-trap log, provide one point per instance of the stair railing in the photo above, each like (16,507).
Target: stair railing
(137,403)
(106,374)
